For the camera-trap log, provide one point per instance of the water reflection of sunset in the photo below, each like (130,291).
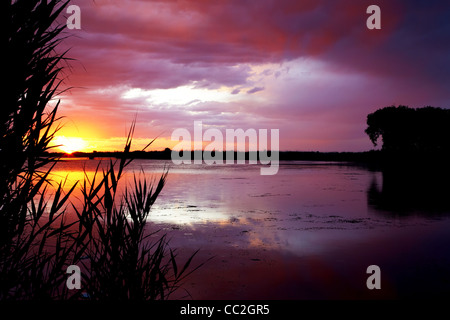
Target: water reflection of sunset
(298,220)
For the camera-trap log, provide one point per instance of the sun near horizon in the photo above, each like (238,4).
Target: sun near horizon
(70,145)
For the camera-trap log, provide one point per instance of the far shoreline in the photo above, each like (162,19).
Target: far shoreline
(364,156)
(436,162)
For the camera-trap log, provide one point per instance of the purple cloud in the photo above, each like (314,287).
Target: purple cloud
(255,89)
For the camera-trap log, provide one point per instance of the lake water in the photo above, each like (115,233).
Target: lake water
(308,232)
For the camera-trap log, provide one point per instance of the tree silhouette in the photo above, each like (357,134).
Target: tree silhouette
(406,130)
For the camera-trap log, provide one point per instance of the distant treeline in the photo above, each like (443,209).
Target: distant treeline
(374,158)
(367,156)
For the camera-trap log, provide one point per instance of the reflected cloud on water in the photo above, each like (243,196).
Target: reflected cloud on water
(305,200)
(311,216)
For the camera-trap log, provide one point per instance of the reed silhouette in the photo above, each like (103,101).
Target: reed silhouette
(41,231)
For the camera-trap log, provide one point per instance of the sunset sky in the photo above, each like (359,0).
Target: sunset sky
(308,68)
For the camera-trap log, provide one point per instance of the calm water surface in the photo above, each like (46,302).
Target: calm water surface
(309,231)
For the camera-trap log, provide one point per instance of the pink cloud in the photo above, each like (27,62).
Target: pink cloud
(216,44)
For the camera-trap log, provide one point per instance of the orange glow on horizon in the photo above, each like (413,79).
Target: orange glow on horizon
(70,145)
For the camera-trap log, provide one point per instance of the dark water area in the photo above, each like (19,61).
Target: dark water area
(308,232)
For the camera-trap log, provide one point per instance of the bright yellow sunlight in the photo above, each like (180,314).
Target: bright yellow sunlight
(69,144)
